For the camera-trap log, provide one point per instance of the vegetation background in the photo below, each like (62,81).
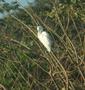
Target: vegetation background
(24,62)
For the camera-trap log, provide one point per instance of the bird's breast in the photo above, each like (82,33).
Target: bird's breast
(44,39)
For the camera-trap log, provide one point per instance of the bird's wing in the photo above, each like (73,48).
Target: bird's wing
(46,37)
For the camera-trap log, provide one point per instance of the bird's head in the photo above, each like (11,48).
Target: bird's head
(39,28)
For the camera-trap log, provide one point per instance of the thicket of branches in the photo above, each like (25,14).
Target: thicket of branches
(24,62)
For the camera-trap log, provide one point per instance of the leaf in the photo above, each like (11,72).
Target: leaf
(73,1)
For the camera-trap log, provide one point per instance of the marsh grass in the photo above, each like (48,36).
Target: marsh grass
(26,65)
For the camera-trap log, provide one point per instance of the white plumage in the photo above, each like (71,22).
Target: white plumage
(45,38)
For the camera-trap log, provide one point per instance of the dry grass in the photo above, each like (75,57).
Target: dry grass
(26,65)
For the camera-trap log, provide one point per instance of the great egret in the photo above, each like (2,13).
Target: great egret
(45,38)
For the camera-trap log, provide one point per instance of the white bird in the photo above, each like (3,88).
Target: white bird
(45,38)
